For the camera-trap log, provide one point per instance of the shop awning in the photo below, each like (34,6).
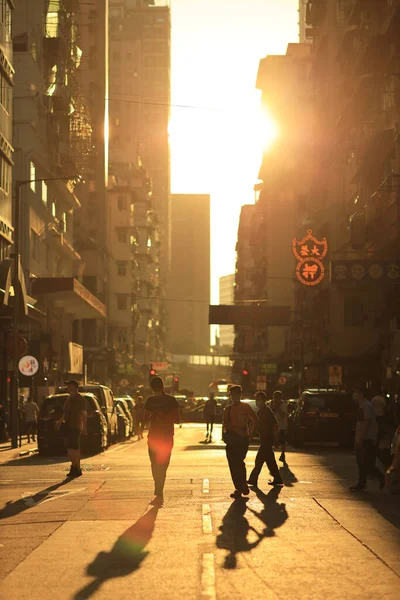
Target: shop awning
(70,295)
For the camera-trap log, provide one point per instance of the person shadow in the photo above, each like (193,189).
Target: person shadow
(289,478)
(234,531)
(274,514)
(16,507)
(125,557)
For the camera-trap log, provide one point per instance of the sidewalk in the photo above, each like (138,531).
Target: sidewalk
(7,453)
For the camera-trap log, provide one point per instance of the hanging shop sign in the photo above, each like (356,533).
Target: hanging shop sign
(310,253)
(335,375)
(358,272)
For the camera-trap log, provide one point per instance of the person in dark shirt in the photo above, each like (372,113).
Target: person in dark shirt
(161,412)
(139,417)
(75,419)
(268,428)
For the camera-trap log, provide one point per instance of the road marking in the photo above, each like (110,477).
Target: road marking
(208,578)
(29,497)
(207,524)
(206,486)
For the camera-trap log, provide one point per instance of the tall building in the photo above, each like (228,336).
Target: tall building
(189,284)
(226,296)
(6,105)
(140,37)
(53,141)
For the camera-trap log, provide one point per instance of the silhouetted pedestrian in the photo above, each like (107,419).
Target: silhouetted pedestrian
(209,414)
(162,411)
(279,408)
(268,428)
(31,413)
(238,423)
(139,416)
(366,436)
(74,420)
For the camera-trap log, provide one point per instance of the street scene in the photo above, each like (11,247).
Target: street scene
(96,536)
(199,299)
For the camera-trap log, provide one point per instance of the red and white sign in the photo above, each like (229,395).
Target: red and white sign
(160,366)
(28,365)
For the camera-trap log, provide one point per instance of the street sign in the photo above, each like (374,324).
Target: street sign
(356,272)
(28,365)
(282,380)
(160,366)
(222,314)
(335,375)
(261,383)
(22,345)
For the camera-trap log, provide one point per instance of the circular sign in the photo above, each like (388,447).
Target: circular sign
(28,365)
(310,271)
(282,380)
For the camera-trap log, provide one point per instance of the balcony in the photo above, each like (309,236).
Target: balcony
(68,294)
(57,240)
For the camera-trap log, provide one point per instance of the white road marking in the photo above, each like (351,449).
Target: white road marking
(208,578)
(29,497)
(207,524)
(206,486)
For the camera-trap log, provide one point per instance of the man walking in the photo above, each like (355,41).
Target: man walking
(279,408)
(162,411)
(268,428)
(139,416)
(31,412)
(366,436)
(75,419)
(209,414)
(238,423)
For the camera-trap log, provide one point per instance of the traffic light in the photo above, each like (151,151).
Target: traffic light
(175,384)
(246,380)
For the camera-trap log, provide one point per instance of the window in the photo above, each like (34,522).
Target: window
(5,175)
(121,267)
(122,202)
(53,209)
(32,176)
(5,15)
(122,236)
(5,93)
(353,311)
(44,193)
(64,222)
(122,301)
(34,245)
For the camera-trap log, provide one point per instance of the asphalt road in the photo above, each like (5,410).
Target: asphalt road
(95,537)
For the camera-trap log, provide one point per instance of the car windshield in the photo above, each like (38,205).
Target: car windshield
(331,402)
(53,406)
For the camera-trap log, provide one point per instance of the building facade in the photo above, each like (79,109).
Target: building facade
(52,136)
(226,296)
(189,285)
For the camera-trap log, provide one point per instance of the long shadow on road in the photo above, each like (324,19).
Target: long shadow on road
(124,558)
(235,527)
(18,506)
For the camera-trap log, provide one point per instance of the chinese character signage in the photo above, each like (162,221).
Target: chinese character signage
(310,253)
(28,365)
(358,272)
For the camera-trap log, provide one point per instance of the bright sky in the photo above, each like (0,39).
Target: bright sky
(216,49)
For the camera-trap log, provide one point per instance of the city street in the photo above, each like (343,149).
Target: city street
(96,537)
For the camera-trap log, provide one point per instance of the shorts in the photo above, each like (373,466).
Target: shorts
(72,439)
(209,419)
(282,436)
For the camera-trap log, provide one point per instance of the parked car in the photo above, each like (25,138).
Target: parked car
(106,401)
(323,416)
(51,439)
(122,402)
(123,423)
(292,405)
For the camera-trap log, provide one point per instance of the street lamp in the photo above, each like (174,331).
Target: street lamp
(14,387)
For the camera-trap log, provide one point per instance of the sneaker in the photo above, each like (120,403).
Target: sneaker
(276,482)
(246,490)
(158,501)
(236,494)
(282,458)
(252,482)
(357,488)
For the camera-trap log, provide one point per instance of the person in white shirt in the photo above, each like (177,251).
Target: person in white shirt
(366,439)
(31,413)
(279,407)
